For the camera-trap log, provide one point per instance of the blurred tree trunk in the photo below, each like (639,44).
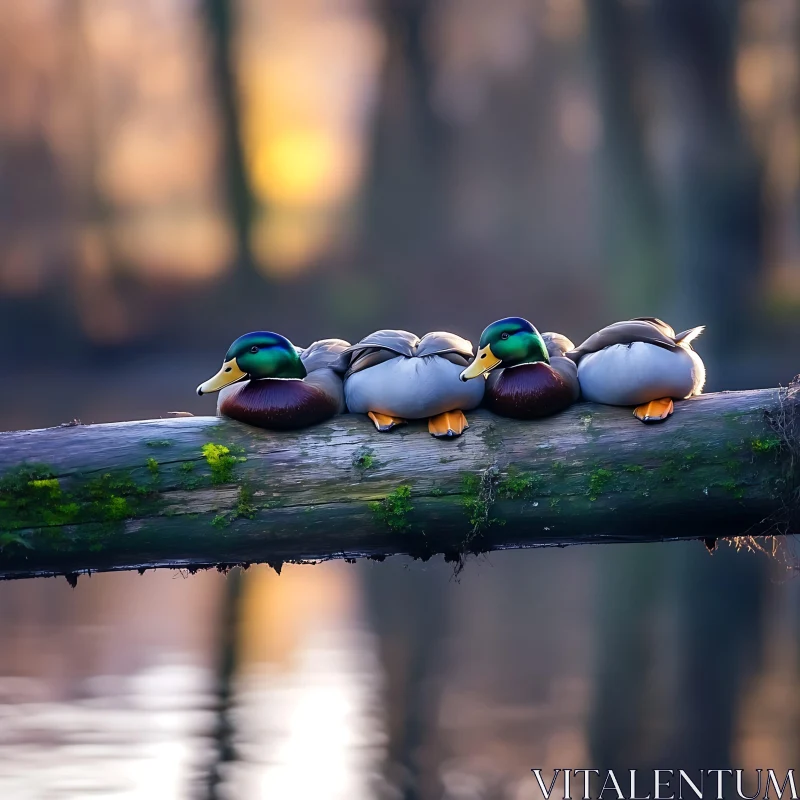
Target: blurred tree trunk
(631,586)
(224,730)
(712,179)
(410,617)
(629,212)
(220,16)
(729,630)
(41,207)
(403,212)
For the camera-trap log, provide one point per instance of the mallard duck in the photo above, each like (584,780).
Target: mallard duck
(641,362)
(394,376)
(266,381)
(527,374)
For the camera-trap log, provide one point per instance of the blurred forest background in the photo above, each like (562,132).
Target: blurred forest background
(174,173)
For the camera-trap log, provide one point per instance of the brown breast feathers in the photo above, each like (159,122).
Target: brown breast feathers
(527,392)
(278,404)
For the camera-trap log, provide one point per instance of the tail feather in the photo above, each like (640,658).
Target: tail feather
(688,336)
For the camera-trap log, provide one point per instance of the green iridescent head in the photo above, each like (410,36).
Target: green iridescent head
(256,355)
(507,343)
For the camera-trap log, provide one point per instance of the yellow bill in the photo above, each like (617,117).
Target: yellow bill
(485,360)
(230,373)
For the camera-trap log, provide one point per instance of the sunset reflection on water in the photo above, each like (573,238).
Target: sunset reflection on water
(119,709)
(112,689)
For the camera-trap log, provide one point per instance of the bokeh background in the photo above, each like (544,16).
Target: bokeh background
(174,173)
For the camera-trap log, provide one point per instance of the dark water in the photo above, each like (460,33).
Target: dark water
(394,680)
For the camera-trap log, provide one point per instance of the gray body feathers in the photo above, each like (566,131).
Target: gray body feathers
(639,360)
(395,372)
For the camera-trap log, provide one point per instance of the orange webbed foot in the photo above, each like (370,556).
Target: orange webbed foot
(655,410)
(385,422)
(448,425)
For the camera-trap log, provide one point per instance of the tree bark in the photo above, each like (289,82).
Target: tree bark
(203,491)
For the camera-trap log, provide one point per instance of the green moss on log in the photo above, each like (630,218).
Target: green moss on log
(37,507)
(599,481)
(475,506)
(519,485)
(245,508)
(222,460)
(364,459)
(478,494)
(736,489)
(491,437)
(767,444)
(394,509)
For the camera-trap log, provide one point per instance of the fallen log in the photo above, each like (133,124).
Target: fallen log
(202,491)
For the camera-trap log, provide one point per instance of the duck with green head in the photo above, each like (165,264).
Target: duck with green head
(527,373)
(266,381)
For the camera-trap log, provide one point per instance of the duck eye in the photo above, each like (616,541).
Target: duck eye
(253,349)
(504,336)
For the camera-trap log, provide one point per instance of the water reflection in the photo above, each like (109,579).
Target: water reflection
(393,680)
(101,692)
(127,737)
(307,711)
